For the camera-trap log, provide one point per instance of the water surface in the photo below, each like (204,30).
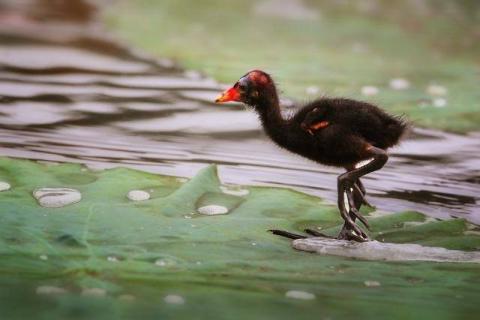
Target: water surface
(71,93)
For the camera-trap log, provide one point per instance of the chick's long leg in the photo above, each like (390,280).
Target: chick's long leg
(361,189)
(351,193)
(357,200)
(356,196)
(347,192)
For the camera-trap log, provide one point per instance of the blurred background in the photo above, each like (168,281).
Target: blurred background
(334,47)
(116,83)
(143,74)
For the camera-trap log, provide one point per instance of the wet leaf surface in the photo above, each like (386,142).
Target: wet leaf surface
(107,256)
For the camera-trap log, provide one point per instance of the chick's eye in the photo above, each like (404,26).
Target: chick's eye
(242,87)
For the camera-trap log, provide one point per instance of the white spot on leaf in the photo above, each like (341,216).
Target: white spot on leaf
(4,186)
(161,263)
(369,91)
(138,195)
(399,84)
(436,90)
(213,210)
(370,283)
(112,259)
(50,290)
(439,102)
(164,262)
(312,90)
(94,292)
(174,299)
(302,295)
(56,197)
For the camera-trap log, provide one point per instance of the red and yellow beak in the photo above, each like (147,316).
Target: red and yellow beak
(231,94)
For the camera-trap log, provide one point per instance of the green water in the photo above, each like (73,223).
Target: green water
(337,48)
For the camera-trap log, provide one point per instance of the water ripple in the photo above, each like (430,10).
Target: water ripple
(78,97)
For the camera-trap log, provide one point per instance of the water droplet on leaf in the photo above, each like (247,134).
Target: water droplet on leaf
(94,292)
(436,90)
(399,84)
(4,186)
(369,91)
(439,102)
(56,197)
(302,295)
(174,299)
(50,290)
(138,195)
(112,259)
(213,210)
(312,90)
(370,283)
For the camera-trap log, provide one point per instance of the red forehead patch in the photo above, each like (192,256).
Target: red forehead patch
(259,77)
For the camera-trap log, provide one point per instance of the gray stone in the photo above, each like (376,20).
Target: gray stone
(374,250)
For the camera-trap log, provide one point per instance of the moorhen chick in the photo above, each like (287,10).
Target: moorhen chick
(332,131)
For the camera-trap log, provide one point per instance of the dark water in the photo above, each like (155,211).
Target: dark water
(69,92)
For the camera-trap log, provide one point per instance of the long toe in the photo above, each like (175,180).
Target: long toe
(315,233)
(358,236)
(358,215)
(362,195)
(352,233)
(287,234)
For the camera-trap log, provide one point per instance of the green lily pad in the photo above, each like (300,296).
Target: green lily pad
(113,258)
